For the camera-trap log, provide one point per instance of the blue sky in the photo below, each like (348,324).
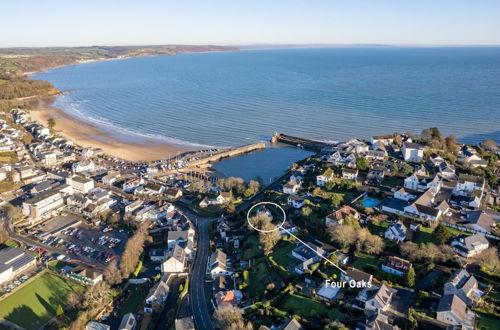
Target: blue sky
(236,22)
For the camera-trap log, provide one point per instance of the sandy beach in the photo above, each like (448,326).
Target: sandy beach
(88,135)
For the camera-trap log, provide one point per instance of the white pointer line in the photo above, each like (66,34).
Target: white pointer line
(334,265)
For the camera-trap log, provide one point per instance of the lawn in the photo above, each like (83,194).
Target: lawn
(281,254)
(9,157)
(307,308)
(134,299)
(488,323)
(393,181)
(379,228)
(362,259)
(36,303)
(261,277)
(424,235)
(251,247)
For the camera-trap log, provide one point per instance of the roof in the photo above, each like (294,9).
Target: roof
(93,325)
(80,179)
(310,251)
(342,212)
(178,234)
(412,145)
(42,196)
(384,295)
(291,324)
(15,258)
(218,257)
(358,275)
(482,219)
(87,272)
(471,241)
(462,280)
(452,303)
(128,322)
(398,263)
(178,253)
(470,178)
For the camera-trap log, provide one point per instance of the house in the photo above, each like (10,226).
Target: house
(158,255)
(48,158)
(94,325)
(296,201)
(182,238)
(436,160)
(423,206)
(396,232)
(43,204)
(356,275)
(413,152)
(422,183)
(84,166)
(395,265)
(152,188)
(133,206)
(468,246)
(382,139)
(308,255)
(173,193)
(157,296)
(291,187)
(220,199)
(406,194)
(345,159)
(467,184)
(350,174)
(376,299)
(327,176)
(80,184)
(13,262)
(290,324)
(463,285)
(217,265)
(328,292)
(447,171)
(229,297)
(376,174)
(377,321)
(480,221)
(128,322)
(174,264)
(338,216)
(110,178)
(85,275)
(452,310)
(131,185)
(342,258)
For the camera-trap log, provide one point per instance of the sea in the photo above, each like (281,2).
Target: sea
(223,99)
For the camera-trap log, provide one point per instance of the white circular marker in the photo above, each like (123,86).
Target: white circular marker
(266,203)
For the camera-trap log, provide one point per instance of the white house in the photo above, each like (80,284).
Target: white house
(174,264)
(413,152)
(350,174)
(84,166)
(296,201)
(291,187)
(469,245)
(480,221)
(217,265)
(327,176)
(80,184)
(396,232)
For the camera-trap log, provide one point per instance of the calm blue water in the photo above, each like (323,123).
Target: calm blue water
(265,165)
(236,98)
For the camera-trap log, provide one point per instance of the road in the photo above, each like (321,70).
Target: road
(197,288)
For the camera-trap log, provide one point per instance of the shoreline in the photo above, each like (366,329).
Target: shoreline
(88,135)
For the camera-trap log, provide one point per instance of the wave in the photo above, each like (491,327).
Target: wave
(117,131)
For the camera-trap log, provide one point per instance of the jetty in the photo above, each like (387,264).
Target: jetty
(307,144)
(226,154)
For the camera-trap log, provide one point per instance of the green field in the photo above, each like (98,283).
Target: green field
(424,235)
(379,228)
(253,249)
(261,277)
(487,323)
(307,308)
(37,302)
(362,259)
(281,254)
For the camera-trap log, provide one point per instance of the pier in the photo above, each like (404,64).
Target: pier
(307,144)
(226,154)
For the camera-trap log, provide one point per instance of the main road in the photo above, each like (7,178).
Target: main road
(197,287)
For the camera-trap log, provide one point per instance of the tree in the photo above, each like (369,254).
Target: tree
(442,233)
(268,233)
(97,296)
(80,321)
(74,299)
(337,199)
(351,220)
(112,273)
(489,144)
(410,277)
(488,260)
(133,250)
(254,186)
(368,243)
(228,317)
(51,122)
(306,211)
(361,163)
(344,236)
(451,144)
(59,310)
(3,236)
(230,208)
